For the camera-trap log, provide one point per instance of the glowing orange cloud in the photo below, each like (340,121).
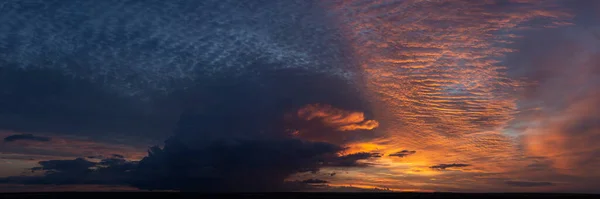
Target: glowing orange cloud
(339,119)
(432,70)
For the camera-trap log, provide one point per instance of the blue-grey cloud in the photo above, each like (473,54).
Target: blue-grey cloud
(160,45)
(67,67)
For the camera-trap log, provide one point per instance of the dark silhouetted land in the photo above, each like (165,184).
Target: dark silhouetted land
(295,195)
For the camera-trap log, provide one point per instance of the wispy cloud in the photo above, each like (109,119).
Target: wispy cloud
(57,146)
(27,137)
(528,183)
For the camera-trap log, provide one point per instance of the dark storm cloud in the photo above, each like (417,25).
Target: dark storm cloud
(75,165)
(193,160)
(314,181)
(226,165)
(45,101)
(223,73)
(66,67)
(29,137)
(110,171)
(528,184)
(403,153)
(352,160)
(231,137)
(230,165)
(445,166)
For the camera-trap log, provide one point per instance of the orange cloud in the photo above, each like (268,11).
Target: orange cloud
(339,119)
(321,122)
(569,140)
(432,71)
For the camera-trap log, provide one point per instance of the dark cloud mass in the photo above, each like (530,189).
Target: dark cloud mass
(314,181)
(403,153)
(352,160)
(225,165)
(76,165)
(528,184)
(29,137)
(217,75)
(195,160)
(68,67)
(445,166)
(231,165)
(111,171)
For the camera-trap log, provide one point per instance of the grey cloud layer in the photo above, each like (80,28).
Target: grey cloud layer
(137,47)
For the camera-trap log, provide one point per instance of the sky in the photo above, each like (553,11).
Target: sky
(300,95)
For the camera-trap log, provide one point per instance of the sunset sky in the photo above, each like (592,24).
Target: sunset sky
(300,95)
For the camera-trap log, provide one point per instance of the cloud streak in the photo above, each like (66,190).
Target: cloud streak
(403,153)
(446,166)
(529,184)
(26,137)
(68,147)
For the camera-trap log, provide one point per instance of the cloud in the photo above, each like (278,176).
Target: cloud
(323,122)
(227,92)
(433,78)
(352,160)
(76,165)
(528,184)
(29,137)
(44,101)
(232,164)
(77,171)
(61,146)
(445,166)
(138,76)
(141,56)
(562,129)
(314,181)
(224,164)
(339,119)
(439,82)
(403,153)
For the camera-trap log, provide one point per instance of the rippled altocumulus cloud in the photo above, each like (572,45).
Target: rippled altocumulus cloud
(136,47)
